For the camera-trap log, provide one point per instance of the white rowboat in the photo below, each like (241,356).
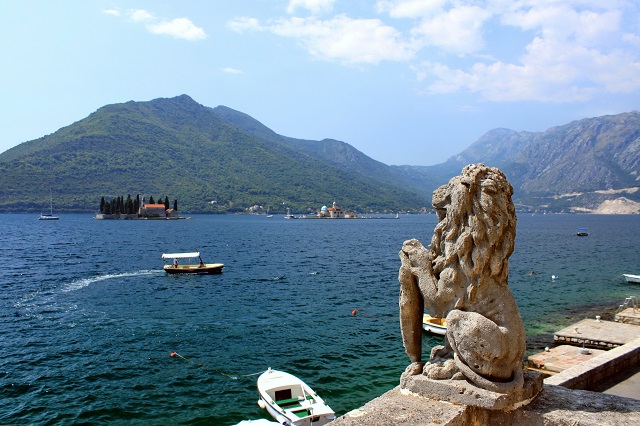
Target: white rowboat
(632,278)
(291,401)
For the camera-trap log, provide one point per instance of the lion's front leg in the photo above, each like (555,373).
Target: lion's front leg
(411,310)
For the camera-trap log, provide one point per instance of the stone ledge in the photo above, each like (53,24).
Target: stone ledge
(465,393)
(555,405)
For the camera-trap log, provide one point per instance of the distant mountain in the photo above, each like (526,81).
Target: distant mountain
(574,167)
(181,149)
(178,148)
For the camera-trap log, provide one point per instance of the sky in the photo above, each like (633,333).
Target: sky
(406,82)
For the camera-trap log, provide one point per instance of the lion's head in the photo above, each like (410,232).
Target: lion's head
(475,235)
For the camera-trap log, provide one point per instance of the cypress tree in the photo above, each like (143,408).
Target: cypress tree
(166,202)
(102,205)
(151,200)
(129,205)
(175,205)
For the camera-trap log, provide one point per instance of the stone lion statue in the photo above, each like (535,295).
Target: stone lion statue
(463,276)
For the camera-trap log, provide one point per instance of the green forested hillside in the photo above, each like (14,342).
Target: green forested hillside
(179,148)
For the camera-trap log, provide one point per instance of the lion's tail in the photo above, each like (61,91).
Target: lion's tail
(500,387)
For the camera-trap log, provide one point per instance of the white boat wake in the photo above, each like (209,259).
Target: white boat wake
(84,282)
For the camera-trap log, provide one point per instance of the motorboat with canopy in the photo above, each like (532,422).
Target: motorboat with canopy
(200,268)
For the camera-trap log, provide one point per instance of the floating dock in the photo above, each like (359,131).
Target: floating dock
(598,334)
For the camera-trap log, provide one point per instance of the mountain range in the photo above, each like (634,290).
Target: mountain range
(222,160)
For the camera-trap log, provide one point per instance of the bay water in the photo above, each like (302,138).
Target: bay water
(89,321)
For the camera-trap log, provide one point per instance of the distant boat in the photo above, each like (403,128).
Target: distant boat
(199,269)
(582,232)
(289,215)
(632,278)
(291,401)
(50,216)
(434,325)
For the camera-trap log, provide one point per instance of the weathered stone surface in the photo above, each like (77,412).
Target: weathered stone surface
(463,275)
(466,393)
(395,408)
(555,406)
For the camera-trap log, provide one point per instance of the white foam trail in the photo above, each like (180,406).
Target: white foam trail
(84,282)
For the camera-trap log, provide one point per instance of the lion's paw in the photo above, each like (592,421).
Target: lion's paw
(440,370)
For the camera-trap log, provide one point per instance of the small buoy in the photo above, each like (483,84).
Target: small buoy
(354,312)
(173,354)
(553,277)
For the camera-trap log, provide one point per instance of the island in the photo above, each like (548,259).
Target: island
(136,208)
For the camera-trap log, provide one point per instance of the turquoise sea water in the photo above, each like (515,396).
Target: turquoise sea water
(89,320)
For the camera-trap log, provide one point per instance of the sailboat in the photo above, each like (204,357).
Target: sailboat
(50,216)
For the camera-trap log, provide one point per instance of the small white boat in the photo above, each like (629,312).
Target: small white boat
(45,216)
(200,268)
(582,232)
(632,278)
(50,216)
(289,215)
(290,401)
(434,325)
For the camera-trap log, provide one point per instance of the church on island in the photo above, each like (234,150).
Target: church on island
(145,211)
(335,212)
(156,211)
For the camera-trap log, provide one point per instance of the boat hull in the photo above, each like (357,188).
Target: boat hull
(434,325)
(632,278)
(209,268)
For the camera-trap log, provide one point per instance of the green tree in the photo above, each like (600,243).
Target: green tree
(151,200)
(175,205)
(102,205)
(166,203)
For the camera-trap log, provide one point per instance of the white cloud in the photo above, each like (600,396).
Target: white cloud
(410,8)
(575,53)
(230,70)
(113,12)
(346,40)
(243,23)
(181,28)
(561,50)
(140,15)
(314,6)
(458,30)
